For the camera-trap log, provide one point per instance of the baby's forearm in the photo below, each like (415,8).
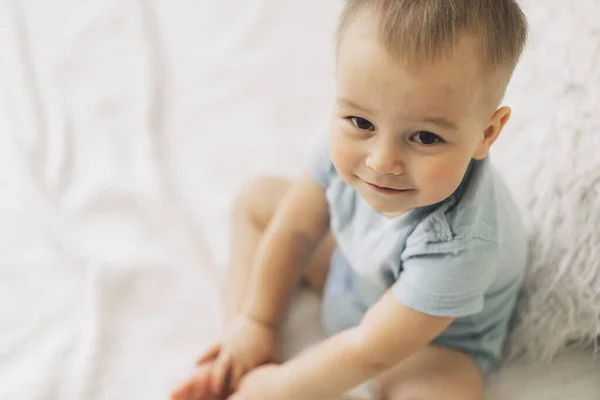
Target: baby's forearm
(329,369)
(279,262)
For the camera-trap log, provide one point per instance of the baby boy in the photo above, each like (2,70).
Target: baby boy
(400,221)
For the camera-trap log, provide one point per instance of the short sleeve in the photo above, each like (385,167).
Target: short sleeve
(319,162)
(448,280)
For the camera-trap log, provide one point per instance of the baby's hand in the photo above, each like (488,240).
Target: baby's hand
(197,387)
(247,345)
(261,384)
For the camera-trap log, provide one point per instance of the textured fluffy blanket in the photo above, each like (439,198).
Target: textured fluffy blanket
(550,158)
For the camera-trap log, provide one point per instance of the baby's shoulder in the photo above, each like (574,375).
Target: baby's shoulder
(480,212)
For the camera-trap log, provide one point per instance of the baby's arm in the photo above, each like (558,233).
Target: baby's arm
(389,333)
(299,223)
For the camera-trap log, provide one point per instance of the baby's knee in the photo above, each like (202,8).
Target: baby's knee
(259,198)
(409,392)
(427,391)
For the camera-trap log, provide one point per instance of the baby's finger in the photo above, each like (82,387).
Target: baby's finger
(182,392)
(236,376)
(220,371)
(200,384)
(209,354)
(277,356)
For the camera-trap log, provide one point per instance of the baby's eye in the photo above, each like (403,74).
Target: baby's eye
(362,123)
(426,138)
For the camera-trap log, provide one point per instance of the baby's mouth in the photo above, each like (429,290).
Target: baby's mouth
(386,189)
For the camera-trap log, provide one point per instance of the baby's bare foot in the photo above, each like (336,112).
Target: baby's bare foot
(197,387)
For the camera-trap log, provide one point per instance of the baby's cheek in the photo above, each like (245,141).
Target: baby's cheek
(343,154)
(443,177)
(438,173)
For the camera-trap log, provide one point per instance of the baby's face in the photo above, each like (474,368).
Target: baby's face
(403,137)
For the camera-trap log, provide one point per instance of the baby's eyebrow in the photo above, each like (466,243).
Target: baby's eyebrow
(441,122)
(348,103)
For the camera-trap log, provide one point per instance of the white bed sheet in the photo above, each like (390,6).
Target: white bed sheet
(126,127)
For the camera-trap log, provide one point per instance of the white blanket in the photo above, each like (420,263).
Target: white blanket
(126,127)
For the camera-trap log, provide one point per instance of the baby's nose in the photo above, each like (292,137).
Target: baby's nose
(385,160)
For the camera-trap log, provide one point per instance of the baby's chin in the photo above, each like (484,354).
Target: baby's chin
(396,209)
(394,214)
(388,209)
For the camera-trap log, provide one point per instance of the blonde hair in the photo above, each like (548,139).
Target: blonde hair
(425,30)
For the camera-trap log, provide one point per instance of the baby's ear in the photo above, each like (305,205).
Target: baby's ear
(491,133)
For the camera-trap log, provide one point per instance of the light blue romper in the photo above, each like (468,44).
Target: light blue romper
(463,257)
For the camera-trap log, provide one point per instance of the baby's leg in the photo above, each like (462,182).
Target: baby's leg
(252,213)
(317,270)
(433,373)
